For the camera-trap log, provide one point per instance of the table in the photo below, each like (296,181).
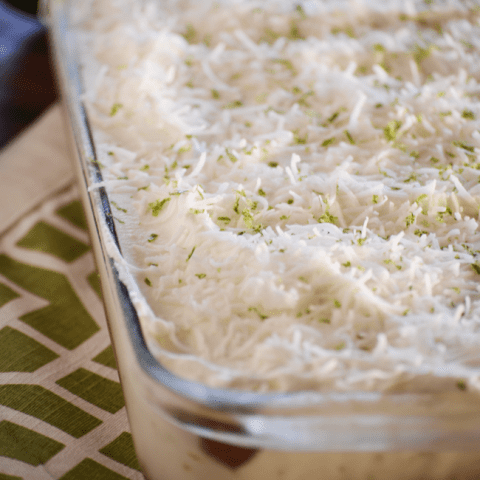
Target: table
(62,413)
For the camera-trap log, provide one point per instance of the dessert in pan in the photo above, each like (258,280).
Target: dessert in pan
(295,189)
(298,187)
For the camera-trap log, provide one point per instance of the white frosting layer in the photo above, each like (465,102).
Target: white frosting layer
(299,186)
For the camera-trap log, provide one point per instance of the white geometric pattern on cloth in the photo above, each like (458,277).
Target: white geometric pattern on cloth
(62,413)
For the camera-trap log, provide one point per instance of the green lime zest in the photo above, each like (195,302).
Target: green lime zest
(190,33)
(234,104)
(461,385)
(327,217)
(190,254)
(328,142)
(257,311)
(349,136)
(468,115)
(410,220)
(115,108)
(231,156)
(124,210)
(247,218)
(157,206)
(391,130)
(476,268)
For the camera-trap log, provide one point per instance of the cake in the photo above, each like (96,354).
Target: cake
(295,186)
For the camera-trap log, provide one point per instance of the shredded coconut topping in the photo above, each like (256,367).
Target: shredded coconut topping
(299,186)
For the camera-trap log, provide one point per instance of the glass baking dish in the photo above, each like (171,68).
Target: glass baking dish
(182,429)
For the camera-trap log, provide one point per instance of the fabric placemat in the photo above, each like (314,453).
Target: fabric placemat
(62,412)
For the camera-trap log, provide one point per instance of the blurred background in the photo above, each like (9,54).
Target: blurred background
(27,85)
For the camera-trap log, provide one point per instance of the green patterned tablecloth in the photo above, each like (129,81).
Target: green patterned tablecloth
(62,413)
